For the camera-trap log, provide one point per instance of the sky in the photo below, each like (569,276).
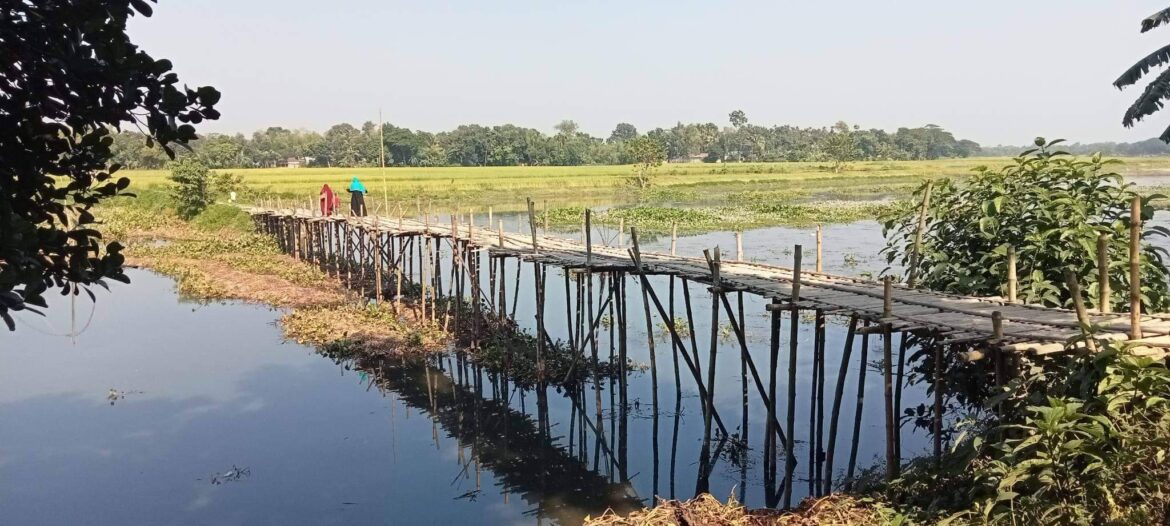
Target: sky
(994,71)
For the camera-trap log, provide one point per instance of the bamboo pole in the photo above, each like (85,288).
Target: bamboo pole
(892,462)
(820,250)
(532,225)
(1104,294)
(916,258)
(1074,288)
(713,262)
(794,333)
(377,261)
(1011,278)
(738,246)
(835,413)
(887,297)
(939,382)
(1135,269)
(857,411)
(588,238)
(772,427)
(673,237)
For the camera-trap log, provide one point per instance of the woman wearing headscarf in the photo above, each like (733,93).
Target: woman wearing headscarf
(357,198)
(326,201)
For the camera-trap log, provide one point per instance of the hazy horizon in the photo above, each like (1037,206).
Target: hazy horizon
(994,72)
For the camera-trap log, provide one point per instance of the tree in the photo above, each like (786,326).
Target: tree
(647,154)
(1158,90)
(840,145)
(738,119)
(1047,207)
(624,131)
(69,79)
(192,190)
(566,127)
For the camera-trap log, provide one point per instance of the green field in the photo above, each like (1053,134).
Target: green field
(507,187)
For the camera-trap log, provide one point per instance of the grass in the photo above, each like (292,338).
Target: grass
(506,187)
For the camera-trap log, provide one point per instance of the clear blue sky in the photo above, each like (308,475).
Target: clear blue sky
(995,71)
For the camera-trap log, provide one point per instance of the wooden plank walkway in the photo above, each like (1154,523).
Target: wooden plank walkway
(1025,328)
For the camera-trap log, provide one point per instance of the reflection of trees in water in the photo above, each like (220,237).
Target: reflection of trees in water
(506,441)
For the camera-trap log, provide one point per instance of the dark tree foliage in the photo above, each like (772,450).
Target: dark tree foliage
(1158,90)
(69,78)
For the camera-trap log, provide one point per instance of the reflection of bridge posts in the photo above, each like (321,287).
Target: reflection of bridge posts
(519,451)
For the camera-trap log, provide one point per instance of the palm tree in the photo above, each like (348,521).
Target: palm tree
(1158,90)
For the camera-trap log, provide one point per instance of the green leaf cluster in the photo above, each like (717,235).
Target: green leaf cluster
(1047,206)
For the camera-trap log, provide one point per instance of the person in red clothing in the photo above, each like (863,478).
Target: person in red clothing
(328,201)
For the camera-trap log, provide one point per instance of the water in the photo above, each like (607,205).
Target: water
(180,413)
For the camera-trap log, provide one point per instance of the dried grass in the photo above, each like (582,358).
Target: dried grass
(835,510)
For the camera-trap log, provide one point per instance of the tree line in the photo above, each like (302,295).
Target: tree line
(1147,148)
(346,145)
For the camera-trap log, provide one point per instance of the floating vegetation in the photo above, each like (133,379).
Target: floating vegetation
(851,260)
(745,215)
(680,326)
(114,395)
(235,474)
(375,329)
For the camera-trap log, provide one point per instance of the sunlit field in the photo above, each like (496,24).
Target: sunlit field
(507,187)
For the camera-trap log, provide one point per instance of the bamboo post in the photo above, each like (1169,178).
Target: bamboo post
(820,250)
(738,246)
(1104,294)
(490,218)
(621,237)
(938,403)
(1011,277)
(835,413)
(673,237)
(857,411)
(532,225)
(770,435)
(713,262)
(1074,288)
(794,333)
(1135,275)
(500,232)
(916,259)
(377,260)
(588,238)
(892,462)
(887,297)
(819,397)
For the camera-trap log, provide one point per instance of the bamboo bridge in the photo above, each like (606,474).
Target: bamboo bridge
(386,252)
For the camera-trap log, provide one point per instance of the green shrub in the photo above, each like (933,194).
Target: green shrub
(192,190)
(1093,458)
(223,216)
(1050,208)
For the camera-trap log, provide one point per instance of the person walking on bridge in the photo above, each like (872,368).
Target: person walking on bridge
(327,201)
(357,198)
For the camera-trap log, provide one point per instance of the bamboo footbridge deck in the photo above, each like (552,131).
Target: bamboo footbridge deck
(952,318)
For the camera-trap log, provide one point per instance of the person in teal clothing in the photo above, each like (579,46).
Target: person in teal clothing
(357,198)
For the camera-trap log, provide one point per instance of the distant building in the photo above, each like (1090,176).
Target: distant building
(293,162)
(693,158)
